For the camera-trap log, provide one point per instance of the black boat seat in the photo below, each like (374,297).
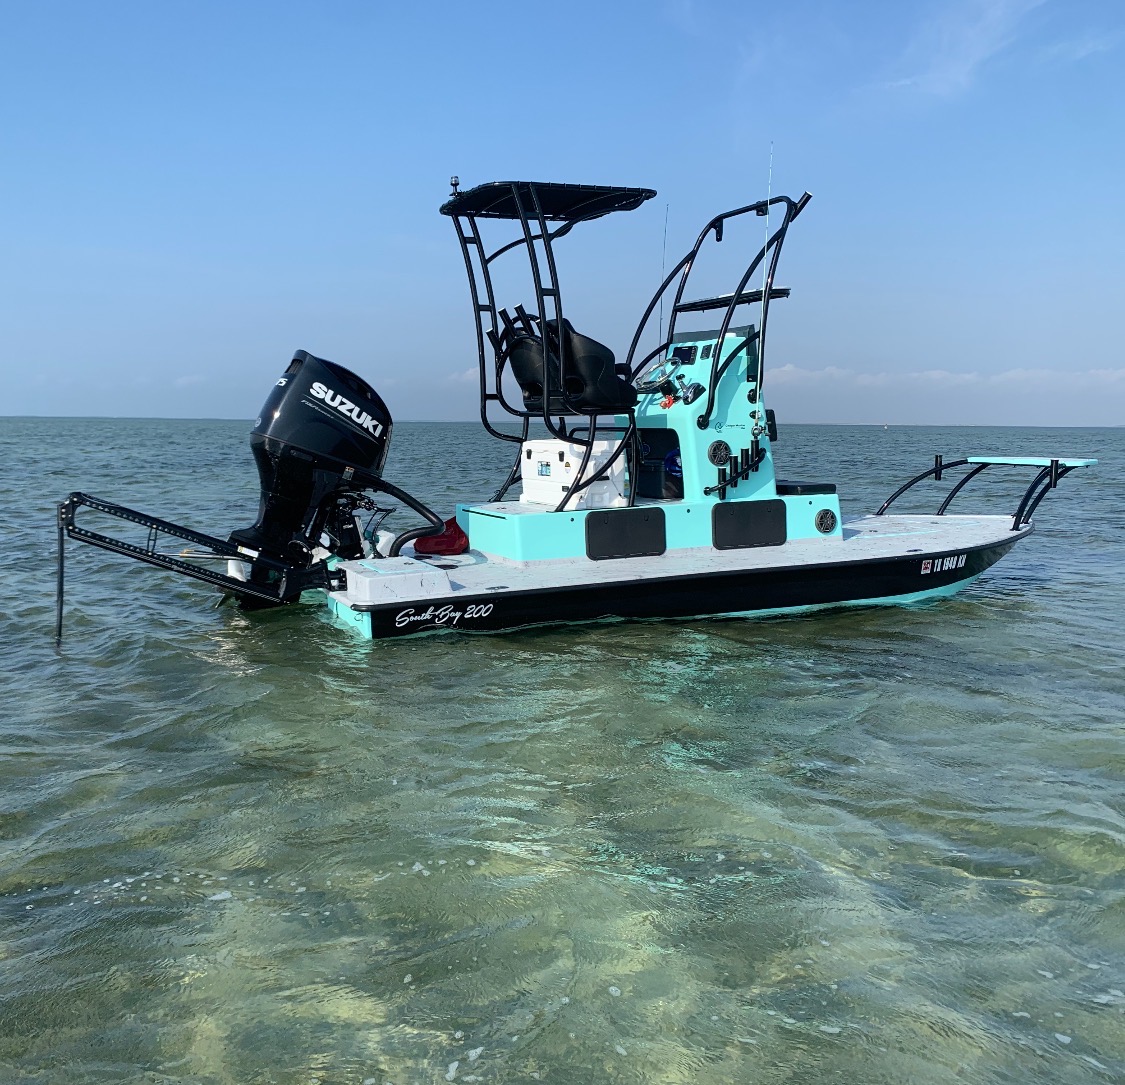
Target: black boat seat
(594,382)
(804,489)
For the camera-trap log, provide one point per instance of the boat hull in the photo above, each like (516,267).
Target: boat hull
(900,579)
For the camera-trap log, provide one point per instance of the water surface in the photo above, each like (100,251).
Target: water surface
(866,846)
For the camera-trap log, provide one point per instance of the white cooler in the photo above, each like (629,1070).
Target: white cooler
(549,467)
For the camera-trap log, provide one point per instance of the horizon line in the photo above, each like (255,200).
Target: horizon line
(476,422)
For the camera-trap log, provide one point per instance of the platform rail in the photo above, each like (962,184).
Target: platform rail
(1051,470)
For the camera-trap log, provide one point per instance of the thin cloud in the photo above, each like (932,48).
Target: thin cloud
(1077,49)
(948,52)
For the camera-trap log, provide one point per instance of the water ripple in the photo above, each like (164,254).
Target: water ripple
(875,846)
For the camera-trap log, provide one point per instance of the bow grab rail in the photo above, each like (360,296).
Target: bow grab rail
(1052,469)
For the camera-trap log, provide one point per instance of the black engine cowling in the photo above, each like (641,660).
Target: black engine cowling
(323,435)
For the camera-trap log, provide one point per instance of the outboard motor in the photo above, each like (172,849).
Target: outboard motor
(320,442)
(322,438)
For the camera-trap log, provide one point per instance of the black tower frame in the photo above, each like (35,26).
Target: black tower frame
(534,205)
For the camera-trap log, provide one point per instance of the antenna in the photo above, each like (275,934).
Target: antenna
(663,258)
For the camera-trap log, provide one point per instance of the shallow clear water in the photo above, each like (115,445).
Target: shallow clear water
(863,846)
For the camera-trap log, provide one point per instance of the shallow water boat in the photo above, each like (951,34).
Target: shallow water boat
(647,489)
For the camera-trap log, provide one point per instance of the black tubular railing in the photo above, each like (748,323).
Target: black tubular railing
(472,239)
(542,293)
(961,484)
(536,236)
(718,364)
(935,472)
(683,270)
(493,328)
(627,445)
(514,473)
(1045,480)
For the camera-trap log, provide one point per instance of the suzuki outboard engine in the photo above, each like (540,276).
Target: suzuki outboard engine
(322,438)
(320,442)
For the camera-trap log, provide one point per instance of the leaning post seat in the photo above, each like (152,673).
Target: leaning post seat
(525,356)
(593,383)
(593,363)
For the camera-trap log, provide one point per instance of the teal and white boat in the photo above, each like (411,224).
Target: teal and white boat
(644,488)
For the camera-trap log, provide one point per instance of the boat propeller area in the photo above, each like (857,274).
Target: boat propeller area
(654,493)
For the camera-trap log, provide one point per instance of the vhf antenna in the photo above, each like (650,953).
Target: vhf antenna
(663,260)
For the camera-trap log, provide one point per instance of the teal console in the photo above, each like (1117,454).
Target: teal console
(684,469)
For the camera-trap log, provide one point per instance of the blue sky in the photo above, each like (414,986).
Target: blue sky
(190,191)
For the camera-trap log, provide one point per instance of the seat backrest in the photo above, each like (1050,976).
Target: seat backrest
(592,381)
(591,364)
(525,355)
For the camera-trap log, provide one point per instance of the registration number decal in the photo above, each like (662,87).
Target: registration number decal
(942,565)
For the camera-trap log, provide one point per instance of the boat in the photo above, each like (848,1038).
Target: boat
(639,488)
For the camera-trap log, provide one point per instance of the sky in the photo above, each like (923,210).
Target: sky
(191,191)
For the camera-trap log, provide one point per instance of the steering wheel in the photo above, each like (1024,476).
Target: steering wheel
(658,374)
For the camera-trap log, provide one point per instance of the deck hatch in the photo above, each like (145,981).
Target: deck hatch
(737,525)
(625,533)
